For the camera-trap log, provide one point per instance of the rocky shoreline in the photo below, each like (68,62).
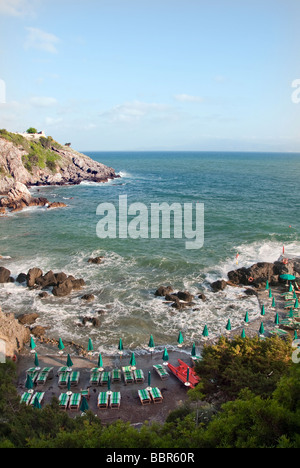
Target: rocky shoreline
(61,285)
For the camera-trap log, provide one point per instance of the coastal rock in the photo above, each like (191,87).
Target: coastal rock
(202,297)
(88,297)
(47,280)
(56,205)
(4,275)
(78,284)
(22,278)
(63,289)
(259,273)
(14,334)
(163,290)
(32,275)
(38,331)
(96,260)
(43,295)
(185,296)
(28,319)
(218,285)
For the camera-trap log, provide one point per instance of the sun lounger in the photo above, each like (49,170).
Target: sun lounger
(156,395)
(39,396)
(128,377)
(85,393)
(49,371)
(74,378)
(62,370)
(104,378)
(115,400)
(279,332)
(64,401)
(144,397)
(95,378)
(63,380)
(42,378)
(75,401)
(139,376)
(103,400)
(26,398)
(116,375)
(96,369)
(163,374)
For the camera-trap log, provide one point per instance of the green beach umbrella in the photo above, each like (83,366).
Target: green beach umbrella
(270,293)
(149,381)
(100,362)
(120,346)
(296,305)
(108,384)
(36,361)
(295,335)
(69,361)
(61,346)
(187,383)
(262,329)
(228,326)
(165,356)
(69,383)
(291,314)
(273,303)
(84,405)
(205,332)
(132,360)
(29,383)
(276,321)
(243,335)
(32,344)
(246,319)
(180,339)
(151,343)
(193,352)
(288,277)
(263,311)
(291,288)
(267,285)
(36,403)
(90,346)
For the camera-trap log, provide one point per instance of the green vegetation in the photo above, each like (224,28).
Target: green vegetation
(38,152)
(261,415)
(31,130)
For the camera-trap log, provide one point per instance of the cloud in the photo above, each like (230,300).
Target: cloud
(41,40)
(188,98)
(135,111)
(42,101)
(17,7)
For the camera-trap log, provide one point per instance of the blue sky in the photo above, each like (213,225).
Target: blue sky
(131,75)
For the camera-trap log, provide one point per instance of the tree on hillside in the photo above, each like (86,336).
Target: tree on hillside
(31,130)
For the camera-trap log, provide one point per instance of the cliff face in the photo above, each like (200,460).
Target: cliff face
(23,162)
(13,335)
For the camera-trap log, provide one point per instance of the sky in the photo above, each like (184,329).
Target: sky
(147,75)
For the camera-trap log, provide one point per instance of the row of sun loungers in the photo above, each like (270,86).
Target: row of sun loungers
(146,396)
(29,398)
(109,399)
(129,376)
(64,379)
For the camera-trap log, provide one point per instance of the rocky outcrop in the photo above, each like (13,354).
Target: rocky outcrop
(4,275)
(259,273)
(96,260)
(71,167)
(13,334)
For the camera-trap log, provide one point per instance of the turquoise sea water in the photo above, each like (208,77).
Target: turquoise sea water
(251,202)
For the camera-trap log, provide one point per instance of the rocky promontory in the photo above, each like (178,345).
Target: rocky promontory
(38,162)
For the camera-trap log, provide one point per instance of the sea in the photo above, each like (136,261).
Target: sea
(251,213)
